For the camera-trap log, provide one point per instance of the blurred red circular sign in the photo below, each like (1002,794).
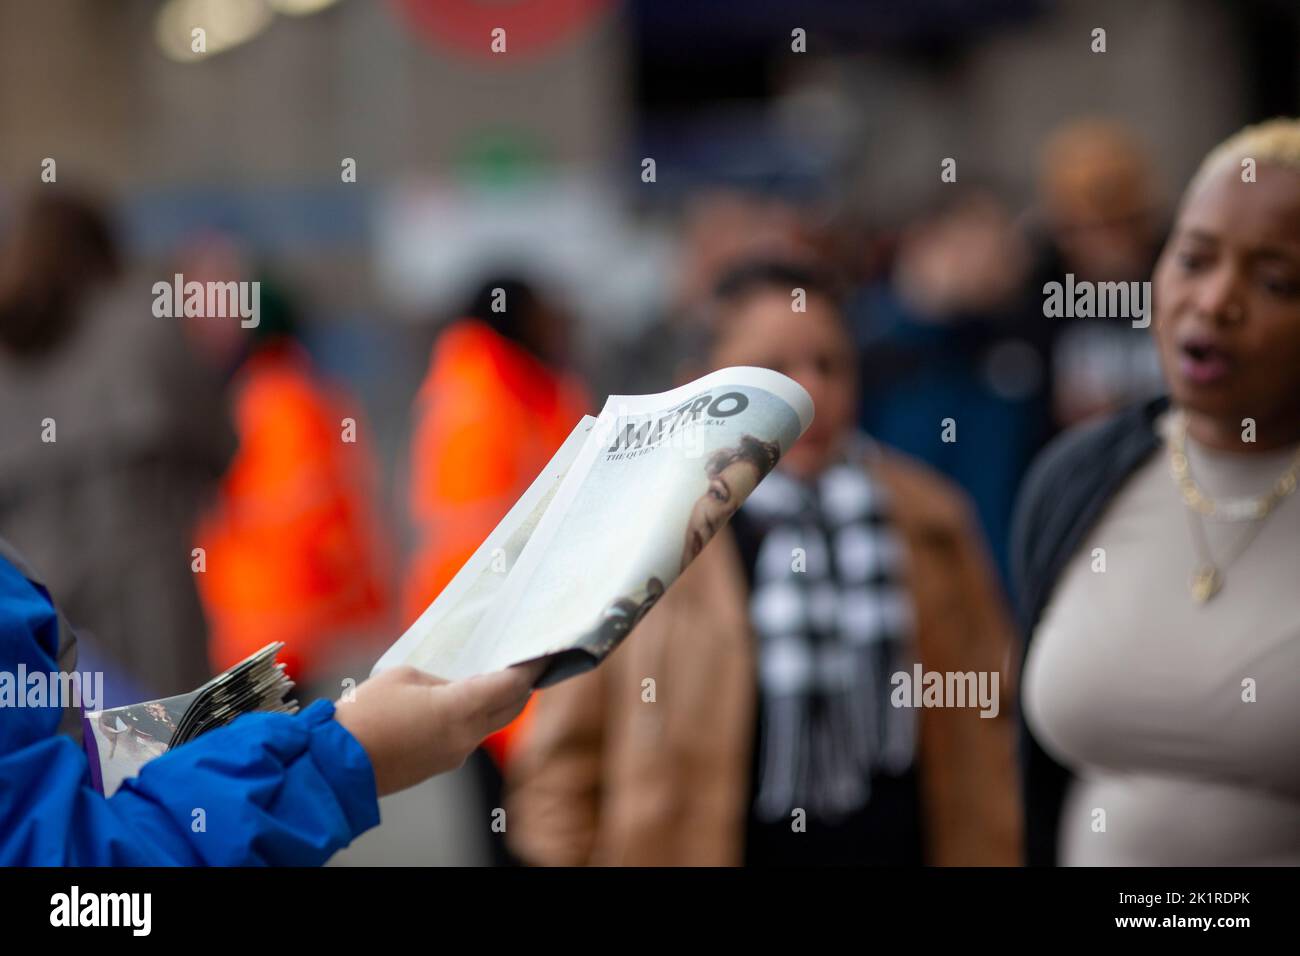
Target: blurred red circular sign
(532,26)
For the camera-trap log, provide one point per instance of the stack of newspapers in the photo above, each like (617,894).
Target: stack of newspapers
(256,683)
(122,739)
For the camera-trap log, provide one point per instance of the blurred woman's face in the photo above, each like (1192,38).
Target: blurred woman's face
(727,490)
(1227,308)
(814,349)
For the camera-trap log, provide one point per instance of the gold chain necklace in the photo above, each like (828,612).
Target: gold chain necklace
(1208,578)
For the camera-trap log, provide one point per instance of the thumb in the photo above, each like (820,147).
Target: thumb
(484,696)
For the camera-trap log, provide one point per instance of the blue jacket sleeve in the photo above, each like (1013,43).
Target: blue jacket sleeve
(267,789)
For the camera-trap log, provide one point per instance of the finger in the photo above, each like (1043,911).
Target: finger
(499,718)
(498,688)
(487,717)
(533,670)
(475,700)
(406,674)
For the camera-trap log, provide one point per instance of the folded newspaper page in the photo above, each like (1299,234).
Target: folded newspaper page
(627,502)
(121,740)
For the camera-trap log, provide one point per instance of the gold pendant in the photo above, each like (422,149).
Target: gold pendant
(1206,583)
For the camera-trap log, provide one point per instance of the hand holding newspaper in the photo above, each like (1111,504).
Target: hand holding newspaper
(627,502)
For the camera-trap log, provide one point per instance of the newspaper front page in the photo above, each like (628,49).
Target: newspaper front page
(624,506)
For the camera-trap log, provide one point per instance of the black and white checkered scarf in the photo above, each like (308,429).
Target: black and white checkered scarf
(831,631)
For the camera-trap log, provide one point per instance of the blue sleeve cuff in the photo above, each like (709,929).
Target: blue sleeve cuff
(345,765)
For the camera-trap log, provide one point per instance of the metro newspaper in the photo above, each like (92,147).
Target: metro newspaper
(619,512)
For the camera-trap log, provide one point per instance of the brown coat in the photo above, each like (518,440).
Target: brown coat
(603,777)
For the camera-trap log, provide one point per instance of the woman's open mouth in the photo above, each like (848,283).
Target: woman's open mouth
(1202,362)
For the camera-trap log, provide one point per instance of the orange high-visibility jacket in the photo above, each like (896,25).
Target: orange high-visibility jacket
(294,552)
(488,418)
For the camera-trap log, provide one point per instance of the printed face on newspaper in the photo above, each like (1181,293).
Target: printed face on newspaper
(126,738)
(626,504)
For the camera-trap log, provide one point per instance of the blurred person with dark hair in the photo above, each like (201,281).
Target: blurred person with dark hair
(951,370)
(724,227)
(113,438)
(1156,554)
(60,253)
(719,228)
(1098,218)
(296,551)
(774,681)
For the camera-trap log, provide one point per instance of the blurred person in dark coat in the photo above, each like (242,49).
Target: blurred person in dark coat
(112,437)
(946,337)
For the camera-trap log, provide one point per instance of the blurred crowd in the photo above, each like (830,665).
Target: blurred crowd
(203,489)
(193,489)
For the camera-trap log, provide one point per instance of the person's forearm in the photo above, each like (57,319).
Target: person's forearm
(268,789)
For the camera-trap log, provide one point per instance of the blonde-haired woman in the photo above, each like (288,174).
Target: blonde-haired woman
(1157,558)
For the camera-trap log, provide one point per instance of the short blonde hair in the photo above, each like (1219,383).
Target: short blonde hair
(1274,142)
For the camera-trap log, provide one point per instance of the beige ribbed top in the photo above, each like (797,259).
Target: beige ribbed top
(1139,690)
